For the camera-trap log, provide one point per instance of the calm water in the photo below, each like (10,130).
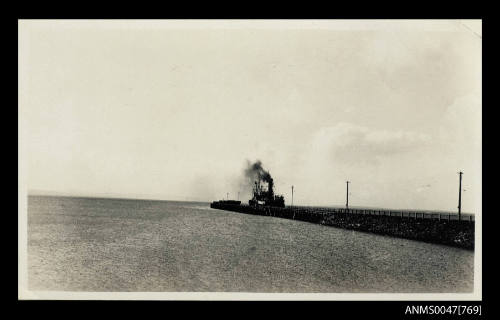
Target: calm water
(85,244)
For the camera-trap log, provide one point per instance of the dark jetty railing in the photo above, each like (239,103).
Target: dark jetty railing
(429,227)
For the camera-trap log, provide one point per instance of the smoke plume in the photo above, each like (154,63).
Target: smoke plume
(255,172)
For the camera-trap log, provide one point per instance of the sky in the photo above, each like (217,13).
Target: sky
(174,109)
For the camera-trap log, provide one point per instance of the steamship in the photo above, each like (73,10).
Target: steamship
(263,196)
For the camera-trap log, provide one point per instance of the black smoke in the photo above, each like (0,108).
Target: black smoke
(255,172)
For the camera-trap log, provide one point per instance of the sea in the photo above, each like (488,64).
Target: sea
(128,245)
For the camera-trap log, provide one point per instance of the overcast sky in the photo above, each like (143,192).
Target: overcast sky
(172,110)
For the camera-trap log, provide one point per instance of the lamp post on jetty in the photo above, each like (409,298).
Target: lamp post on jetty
(292,196)
(347,195)
(460,195)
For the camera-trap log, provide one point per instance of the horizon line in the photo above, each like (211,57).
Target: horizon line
(36,192)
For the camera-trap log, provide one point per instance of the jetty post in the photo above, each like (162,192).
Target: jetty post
(460,195)
(292,196)
(347,196)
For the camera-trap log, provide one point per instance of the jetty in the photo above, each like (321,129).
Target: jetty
(439,228)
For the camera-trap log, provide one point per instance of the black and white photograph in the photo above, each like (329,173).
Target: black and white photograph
(178,159)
